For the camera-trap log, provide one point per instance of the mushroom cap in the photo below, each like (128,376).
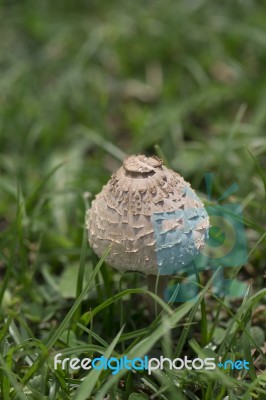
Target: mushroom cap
(153,220)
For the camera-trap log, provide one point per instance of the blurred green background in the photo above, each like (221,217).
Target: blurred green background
(84,83)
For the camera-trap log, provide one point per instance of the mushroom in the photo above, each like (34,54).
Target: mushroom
(153,220)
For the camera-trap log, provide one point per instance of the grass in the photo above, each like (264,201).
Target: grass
(81,85)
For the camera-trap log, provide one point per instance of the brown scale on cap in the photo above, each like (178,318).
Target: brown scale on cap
(121,213)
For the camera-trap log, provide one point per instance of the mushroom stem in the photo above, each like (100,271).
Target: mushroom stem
(157,285)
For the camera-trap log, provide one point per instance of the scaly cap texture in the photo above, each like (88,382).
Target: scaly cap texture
(150,216)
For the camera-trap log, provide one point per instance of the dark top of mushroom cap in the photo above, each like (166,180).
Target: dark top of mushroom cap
(141,166)
(143,185)
(125,212)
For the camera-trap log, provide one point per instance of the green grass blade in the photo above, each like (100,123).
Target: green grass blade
(142,348)
(64,324)
(89,383)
